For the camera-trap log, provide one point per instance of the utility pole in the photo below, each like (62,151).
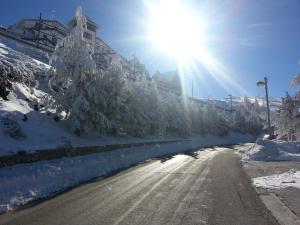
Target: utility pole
(231,111)
(265,84)
(39,28)
(267,99)
(52,14)
(134,68)
(192,89)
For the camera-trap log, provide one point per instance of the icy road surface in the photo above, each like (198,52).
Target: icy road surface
(206,187)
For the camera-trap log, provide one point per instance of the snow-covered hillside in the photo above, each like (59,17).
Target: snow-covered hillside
(22,125)
(25,124)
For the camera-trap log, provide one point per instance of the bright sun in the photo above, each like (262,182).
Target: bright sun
(176,29)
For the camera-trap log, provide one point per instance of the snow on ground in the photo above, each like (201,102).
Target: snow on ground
(26,182)
(273,166)
(271,150)
(279,181)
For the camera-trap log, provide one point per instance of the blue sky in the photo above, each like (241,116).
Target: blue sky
(251,39)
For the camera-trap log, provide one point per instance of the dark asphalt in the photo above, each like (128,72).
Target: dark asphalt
(208,187)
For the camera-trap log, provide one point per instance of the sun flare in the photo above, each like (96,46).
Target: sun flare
(176,29)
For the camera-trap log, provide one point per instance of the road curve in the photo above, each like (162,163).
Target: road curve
(206,187)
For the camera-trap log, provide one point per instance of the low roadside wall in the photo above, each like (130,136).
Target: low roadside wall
(47,154)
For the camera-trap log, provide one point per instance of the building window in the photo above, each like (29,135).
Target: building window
(87,35)
(91,27)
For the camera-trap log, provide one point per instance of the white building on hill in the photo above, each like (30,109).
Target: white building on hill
(45,34)
(168,82)
(41,32)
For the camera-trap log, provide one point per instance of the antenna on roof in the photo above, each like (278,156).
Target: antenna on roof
(52,14)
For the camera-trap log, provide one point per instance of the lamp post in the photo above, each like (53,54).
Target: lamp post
(265,84)
(230,96)
(231,110)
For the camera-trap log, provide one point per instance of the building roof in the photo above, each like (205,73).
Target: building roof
(43,20)
(110,48)
(170,77)
(89,22)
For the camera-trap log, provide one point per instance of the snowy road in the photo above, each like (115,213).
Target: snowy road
(206,187)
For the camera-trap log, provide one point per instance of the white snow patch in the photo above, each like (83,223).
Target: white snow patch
(279,181)
(41,63)
(2,51)
(275,150)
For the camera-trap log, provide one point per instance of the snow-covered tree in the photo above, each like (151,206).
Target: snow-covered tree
(296,80)
(215,121)
(74,79)
(112,91)
(176,115)
(286,120)
(247,118)
(143,113)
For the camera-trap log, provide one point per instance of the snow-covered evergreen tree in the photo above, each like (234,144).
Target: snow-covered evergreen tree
(143,113)
(247,118)
(285,124)
(176,115)
(74,79)
(296,80)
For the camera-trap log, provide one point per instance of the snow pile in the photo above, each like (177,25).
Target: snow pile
(266,150)
(278,181)
(26,182)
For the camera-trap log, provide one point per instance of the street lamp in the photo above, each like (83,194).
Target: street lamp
(265,84)
(231,110)
(230,96)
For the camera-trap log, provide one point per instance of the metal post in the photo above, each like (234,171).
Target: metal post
(134,78)
(267,99)
(192,89)
(231,111)
(39,29)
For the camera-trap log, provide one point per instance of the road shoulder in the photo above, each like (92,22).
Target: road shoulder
(283,203)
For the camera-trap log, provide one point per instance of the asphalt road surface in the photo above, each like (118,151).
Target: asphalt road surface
(206,187)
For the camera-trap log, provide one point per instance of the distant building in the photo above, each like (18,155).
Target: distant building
(91,32)
(44,34)
(168,82)
(41,32)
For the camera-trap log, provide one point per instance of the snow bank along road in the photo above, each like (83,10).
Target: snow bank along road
(205,187)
